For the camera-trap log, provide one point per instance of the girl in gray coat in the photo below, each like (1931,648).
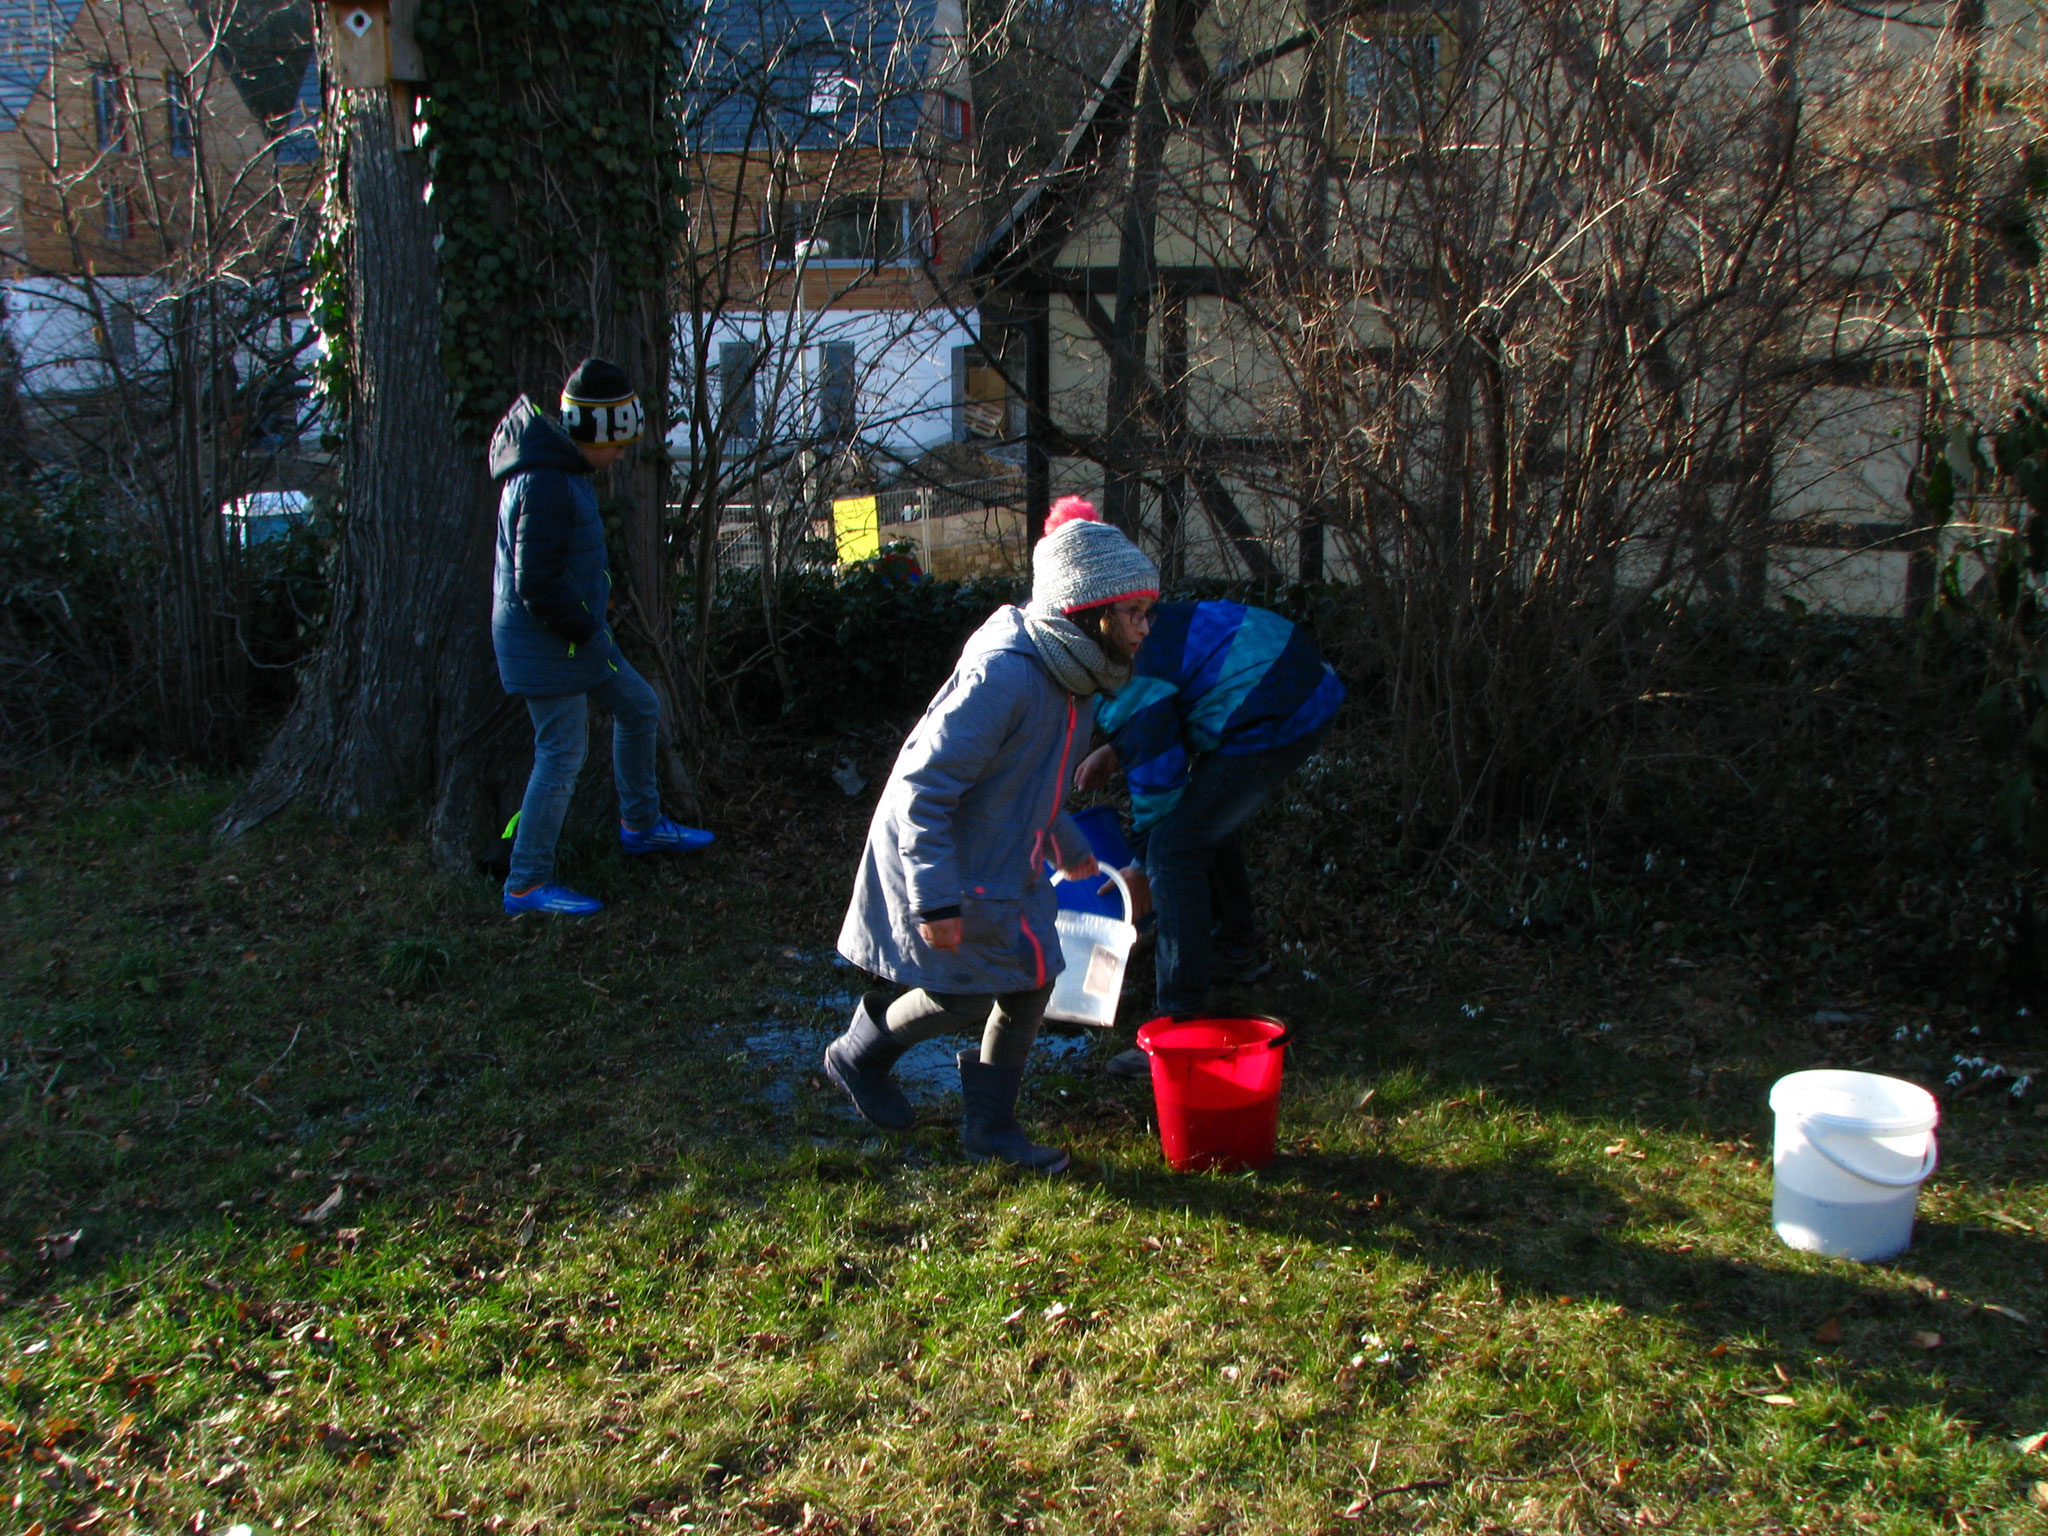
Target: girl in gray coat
(950,901)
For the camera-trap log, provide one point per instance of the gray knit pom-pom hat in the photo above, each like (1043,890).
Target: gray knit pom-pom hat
(1082,562)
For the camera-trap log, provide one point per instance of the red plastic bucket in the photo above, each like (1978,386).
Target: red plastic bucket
(1216,1083)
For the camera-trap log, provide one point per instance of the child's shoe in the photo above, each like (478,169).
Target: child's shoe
(551,898)
(665,836)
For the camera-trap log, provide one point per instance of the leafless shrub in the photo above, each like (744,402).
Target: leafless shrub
(1534,324)
(153,292)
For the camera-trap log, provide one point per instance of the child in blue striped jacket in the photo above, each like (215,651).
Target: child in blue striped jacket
(1226,700)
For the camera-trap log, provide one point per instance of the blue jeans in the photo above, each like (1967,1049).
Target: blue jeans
(1195,860)
(561,740)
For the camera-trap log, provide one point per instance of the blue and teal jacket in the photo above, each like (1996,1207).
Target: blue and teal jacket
(552,582)
(1213,677)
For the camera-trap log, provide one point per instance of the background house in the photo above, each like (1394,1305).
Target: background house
(152,153)
(1681,296)
(827,345)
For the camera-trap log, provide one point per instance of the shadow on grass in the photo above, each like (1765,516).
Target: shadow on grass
(1546,1234)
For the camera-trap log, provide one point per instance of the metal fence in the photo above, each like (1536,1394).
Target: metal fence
(739,528)
(915,503)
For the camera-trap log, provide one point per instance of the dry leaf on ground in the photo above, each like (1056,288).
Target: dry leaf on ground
(322,1211)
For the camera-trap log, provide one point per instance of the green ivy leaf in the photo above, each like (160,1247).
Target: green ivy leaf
(1941,485)
(2015,797)
(1998,718)
(2037,742)
(2032,478)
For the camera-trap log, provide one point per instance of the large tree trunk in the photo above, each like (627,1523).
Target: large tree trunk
(403,704)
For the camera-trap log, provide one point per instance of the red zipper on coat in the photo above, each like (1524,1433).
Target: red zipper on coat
(1037,950)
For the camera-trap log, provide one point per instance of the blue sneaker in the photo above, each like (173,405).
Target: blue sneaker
(551,898)
(665,836)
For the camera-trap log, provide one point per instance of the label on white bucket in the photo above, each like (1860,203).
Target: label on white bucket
(1105,973)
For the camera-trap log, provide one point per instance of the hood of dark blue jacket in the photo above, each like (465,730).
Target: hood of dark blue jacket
(529,439)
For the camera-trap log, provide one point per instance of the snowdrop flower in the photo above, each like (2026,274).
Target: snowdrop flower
(1954,1078)
(2021,1084)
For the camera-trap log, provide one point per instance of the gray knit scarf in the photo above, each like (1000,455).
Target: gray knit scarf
(1071,654)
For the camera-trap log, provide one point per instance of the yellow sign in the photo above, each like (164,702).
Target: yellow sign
(856,529)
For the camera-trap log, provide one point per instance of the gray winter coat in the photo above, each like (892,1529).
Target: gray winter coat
(972,810)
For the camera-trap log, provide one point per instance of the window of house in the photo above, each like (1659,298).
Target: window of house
(121,332)
(956,118)
(832,90)
(110,120)
(736,393)
(858,231)
(117,214)
(1389,80)
(300,145)
(177,114)
(838,397)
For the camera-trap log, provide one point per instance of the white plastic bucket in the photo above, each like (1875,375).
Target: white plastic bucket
(1850,1153)
(1096,949)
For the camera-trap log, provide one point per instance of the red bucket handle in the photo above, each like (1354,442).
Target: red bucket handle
(1276,1043)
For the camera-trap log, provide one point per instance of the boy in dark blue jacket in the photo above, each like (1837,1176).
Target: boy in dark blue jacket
(1225,702)
(548,629)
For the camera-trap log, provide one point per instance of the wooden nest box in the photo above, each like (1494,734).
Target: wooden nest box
(371,43)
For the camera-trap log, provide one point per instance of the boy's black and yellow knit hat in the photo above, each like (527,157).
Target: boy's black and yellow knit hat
(598,404)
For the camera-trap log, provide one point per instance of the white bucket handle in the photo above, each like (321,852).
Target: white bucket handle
(1888,1181)
(1123,887)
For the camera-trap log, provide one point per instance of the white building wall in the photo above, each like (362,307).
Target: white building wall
(903,374)
(50,322)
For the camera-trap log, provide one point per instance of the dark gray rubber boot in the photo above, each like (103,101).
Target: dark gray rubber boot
(859,1062)
(988,1120)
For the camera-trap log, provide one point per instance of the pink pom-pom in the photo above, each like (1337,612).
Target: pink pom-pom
(1071,509)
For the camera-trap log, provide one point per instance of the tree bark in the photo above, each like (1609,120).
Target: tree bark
(402,706)
(1136,272)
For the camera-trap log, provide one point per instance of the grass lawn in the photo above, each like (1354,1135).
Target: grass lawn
(332,1199)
